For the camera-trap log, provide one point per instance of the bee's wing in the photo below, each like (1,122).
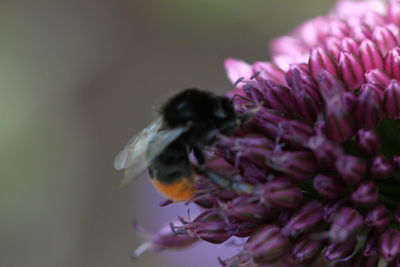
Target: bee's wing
(143,148)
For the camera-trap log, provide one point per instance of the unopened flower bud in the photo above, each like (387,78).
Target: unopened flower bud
(368,141)
(351,168)
(382,167)
(331,208)
(389,244)
(309,216)
(391,100)
(351,69)
(267,245)
(210,227)
(366,193)
(378,218)
(370,56)
(246,208)
(280,192)
(325,151)
(346,223)
(298,164)
(370,247)
(306,249)
(392,63)
(321,60)
(337,251)
(368,111)
(330,187)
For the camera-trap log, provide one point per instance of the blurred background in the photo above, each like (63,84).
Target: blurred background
(77,80)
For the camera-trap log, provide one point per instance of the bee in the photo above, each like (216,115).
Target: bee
(187,122)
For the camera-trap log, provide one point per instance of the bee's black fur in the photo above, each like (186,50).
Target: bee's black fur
(205,112)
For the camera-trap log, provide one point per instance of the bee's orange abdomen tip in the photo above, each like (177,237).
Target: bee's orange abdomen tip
(182,190)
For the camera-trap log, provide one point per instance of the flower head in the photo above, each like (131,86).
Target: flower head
(321,147)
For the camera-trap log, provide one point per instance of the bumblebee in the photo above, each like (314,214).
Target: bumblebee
(187,122)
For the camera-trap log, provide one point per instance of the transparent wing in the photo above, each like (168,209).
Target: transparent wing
(143,148)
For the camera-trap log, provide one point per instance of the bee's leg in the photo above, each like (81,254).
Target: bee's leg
(199,155)
(227,183)
(219,179)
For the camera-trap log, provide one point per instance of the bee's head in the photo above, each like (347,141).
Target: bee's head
(201,108)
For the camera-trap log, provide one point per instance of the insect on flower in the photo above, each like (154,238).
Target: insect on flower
(188,122)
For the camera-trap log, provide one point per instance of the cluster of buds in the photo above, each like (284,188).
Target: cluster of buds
(321,149)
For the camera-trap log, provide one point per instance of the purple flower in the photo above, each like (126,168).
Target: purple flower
(314,169)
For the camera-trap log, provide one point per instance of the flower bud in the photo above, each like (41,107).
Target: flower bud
(382,167)
(300,81)
(236,69)
(377,76)
(282,193)
(384,38)
(242,228)
(389,244)
(296,133)
(378,218)
(370,56)
(368,141)
(330,187)
(337,251)
(346,223)
(368,110)
(321,60)
(329,85)
(351,69)
(392,63)
(331,208)
(370,247)
(267,245)
(309,216)
(210,227)
(325,151)
(351,168)
(366,193)
(297,164)
(245,208)
(391,100)
(350,45)
(278,97)
(306,249)
(340,124)
(269,71)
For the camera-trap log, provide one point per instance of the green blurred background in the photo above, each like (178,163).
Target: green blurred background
(77,80)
